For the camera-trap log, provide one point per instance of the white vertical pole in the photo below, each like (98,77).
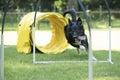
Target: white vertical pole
(110,53)
(33,29)
(33,34)
(90,55)
(109,21)
(2,57)
(90,67)
(2,40)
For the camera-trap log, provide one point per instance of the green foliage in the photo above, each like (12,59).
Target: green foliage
(94,4)
(58,4)
(45,5)
(20,66)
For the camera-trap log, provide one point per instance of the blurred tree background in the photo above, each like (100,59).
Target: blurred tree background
(57,5)
(96,9)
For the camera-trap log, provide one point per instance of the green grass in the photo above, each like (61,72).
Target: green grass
(20,66)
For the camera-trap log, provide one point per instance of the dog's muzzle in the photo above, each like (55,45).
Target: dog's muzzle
(79,39)
(82,37)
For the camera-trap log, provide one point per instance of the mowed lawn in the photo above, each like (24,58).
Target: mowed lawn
(20,66)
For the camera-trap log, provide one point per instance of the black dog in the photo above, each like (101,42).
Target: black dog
(74,31)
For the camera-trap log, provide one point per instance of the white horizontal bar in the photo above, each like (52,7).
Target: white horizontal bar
(48,62)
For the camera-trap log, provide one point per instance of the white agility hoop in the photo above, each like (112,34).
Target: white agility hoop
(109,59)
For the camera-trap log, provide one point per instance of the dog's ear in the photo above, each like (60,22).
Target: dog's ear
(79,21)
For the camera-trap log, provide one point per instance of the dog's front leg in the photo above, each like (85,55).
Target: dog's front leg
(78,50)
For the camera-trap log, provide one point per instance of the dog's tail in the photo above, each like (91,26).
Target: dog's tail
(72,13)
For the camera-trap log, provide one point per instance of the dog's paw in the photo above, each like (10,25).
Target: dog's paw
(93,58)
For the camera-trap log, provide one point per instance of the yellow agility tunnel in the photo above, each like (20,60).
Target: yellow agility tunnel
(58,42)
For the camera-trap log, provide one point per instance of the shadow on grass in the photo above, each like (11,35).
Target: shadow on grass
(68,55)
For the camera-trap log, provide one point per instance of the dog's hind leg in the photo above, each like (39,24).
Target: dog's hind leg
(78,50)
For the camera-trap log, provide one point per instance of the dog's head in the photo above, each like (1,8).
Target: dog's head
(76,29)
